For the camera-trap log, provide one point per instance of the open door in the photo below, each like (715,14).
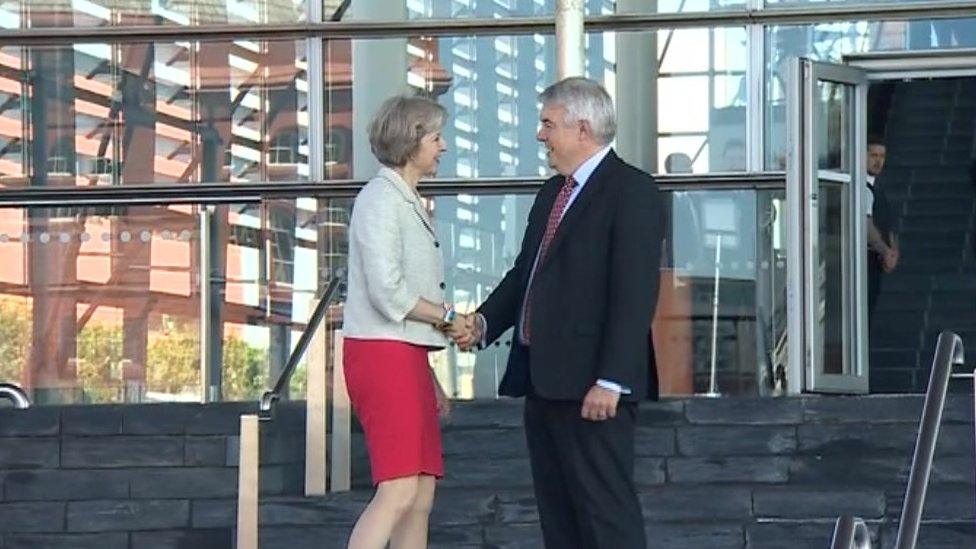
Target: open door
(827,228)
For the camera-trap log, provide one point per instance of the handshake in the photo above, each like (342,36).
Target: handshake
(465,330)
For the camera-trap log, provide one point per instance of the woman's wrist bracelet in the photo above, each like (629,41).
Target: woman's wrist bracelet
(449,315)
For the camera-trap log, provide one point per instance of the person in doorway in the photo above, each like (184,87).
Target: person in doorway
(883,250)
(581,296)
(394,314)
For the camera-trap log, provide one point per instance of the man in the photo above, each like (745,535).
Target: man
(580,296)
(883,252)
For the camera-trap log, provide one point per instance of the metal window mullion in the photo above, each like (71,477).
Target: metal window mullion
(794,229)
(206,305)
(756,92)
(811,237)
(859,180)
(804,15)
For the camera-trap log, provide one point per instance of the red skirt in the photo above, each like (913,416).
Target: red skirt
(392,393)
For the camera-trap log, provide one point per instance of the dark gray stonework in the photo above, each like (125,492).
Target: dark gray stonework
(711,474)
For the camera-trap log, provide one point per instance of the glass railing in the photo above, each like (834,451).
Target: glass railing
(104,303)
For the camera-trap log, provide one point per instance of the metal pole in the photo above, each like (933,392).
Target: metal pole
(570,16)
(341,478)
(14,394)
(206,316)
(948,351)
(713,378)
(851,533)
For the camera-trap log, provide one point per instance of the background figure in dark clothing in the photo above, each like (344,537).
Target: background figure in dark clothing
(883,251)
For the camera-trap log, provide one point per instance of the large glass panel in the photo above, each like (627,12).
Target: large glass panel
(489,87)
(456,9)
(720,325)
(677,6)
(833,271)
(182,112)
(101,304)
(279,257)
(830,42)
(133,277)
(99,13)
(833,241)
(487,84)
(703,71)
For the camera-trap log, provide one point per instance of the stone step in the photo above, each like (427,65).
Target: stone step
(893,358)
(941,240)
(678,519)
(933,206)
(942,300)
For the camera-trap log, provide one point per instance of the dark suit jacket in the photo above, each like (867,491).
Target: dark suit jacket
(594,295)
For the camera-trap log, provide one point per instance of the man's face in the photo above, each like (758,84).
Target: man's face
(564,141)
(876,159)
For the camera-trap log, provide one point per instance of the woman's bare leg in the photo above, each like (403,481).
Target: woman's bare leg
(393,499)
(411,531)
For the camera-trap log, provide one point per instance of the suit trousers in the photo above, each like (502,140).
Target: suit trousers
(583,474)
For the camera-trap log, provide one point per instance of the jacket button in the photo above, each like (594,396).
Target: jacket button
(437,244)
(442,285)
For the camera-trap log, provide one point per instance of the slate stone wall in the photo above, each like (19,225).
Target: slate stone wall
(736,473)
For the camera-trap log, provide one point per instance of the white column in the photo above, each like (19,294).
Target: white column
(756,97)
(569,38)
(379,70)
(636,90)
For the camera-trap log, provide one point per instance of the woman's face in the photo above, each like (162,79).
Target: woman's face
(428,155)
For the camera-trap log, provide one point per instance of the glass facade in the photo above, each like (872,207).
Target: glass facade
(153,113)
(140,302)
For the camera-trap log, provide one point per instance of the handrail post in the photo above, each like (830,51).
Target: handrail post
(316,413)
(948,351)
(248,483)
(850,533)
(341,471)
(14,394)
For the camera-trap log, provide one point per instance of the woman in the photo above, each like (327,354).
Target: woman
(394,315)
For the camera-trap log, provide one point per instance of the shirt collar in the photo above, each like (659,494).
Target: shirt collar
(870,179)
(587,168)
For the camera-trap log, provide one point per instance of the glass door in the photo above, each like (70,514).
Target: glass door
(827,222)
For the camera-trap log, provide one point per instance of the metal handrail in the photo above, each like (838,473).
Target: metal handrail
(851,533)
(948,352)
(15,394)
(241,193)
(792,15)
(269,398)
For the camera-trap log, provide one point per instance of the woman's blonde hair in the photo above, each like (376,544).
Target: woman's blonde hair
(399,125)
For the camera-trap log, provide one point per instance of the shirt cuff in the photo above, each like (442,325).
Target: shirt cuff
(611,386)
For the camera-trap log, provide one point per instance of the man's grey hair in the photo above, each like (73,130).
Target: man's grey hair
(586,100)
(399,125)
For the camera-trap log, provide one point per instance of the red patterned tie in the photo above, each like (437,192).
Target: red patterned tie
(555,216)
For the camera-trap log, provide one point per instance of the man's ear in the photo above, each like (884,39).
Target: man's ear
(585,131)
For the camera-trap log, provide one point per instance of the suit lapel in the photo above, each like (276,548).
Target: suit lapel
(594,186)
